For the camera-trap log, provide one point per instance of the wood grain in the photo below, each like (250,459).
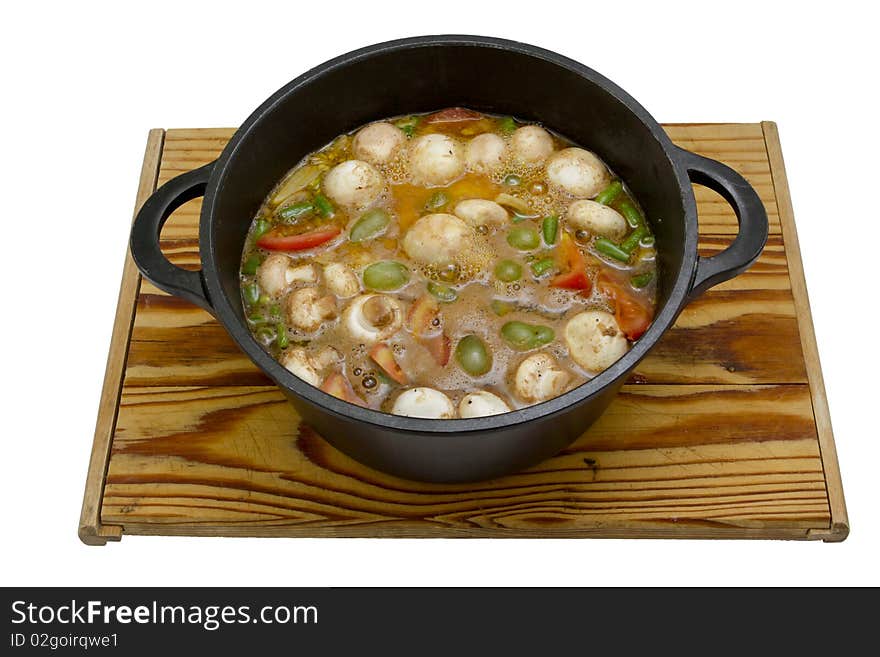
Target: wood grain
(716,435)
(839,529)
(92,530)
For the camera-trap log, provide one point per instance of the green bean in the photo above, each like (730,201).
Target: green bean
(524,238)
(508,271)
(275,312)
(542,266)
(630,243)
(512,180)
(261,226)
(607,247)
(256,318)
(473,355)
(265,334)
(607,195)
(442,292)
(264,299)
(642,280)
(408,124)
(323,205)
(296,210)
(631,214)
(550,228)
(251,265)
(251,293)
(386,275)
(372,223)
(527,336)
(501,308)
(647,240)
(438,200)
(281,336)
(506,125)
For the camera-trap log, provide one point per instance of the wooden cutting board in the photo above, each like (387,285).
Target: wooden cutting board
(723,431)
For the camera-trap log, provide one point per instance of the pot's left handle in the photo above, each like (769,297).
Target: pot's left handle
(750,214)
(144,243)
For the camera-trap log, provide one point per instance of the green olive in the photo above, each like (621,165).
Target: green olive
(527,336)
(386,275)
(508,271)
(372,223)
(473,355)
(524,238)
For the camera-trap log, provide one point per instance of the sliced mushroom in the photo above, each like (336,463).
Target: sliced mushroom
(484,153)
(436,238)
(372,318)
(435,160)
(480,404)
(480,212)
(341,280)
(579,172)
(378,143)
(424,403)
(306,309)
(597,219)
(539,377)
(595,340)
(531,144)
(353,183)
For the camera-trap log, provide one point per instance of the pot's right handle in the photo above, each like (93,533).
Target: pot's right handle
(144,242)
(750,212)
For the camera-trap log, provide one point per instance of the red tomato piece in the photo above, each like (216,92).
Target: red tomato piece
(338,386)
(274,241)
(571,262)
(383,355)
(573,280)
(633,316)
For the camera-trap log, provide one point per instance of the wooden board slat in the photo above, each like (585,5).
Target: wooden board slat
(720,432)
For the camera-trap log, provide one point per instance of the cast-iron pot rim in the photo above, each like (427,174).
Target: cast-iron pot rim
(222,306)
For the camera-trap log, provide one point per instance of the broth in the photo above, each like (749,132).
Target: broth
(449,264)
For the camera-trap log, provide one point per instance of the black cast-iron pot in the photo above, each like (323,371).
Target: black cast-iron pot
(418,75)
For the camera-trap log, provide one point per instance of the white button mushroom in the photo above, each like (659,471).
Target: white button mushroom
(484,153)
(578,172)
(531,144)
(326,356)
(597,219)
(480,212)
(539,378)
(436,238)
(378,143)
(307,273)
(594,340)
(372,318)
(425,403)
(301,364)
(341,280)
(310,367)
(353,183)
(435,159)
(307,309)
(275,274)
(480,404)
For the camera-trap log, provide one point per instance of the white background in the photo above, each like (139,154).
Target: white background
(81,85)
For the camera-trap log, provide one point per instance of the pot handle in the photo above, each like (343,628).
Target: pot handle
(144,242)
(750,214)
